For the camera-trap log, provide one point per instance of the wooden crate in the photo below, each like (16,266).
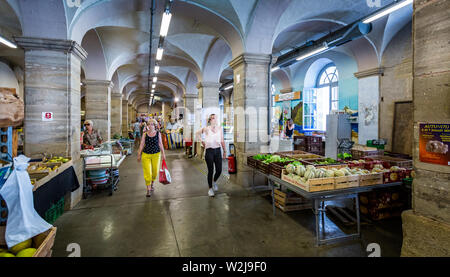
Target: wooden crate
(251,162)
(291,208)
(286,198)
(328,166)
(346,182)
(370,179)
(391,161)
(312,185)
(263,167)
(306,156)
(276,169)
(42,250)
(291,153)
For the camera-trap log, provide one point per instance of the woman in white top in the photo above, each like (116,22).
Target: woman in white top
(212,143)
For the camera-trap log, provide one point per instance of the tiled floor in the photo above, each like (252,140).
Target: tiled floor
(181,220)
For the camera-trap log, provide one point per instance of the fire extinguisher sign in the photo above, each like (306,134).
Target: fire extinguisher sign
(47,116)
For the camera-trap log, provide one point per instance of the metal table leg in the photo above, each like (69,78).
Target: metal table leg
(358,219)
(273,196)
(316,213)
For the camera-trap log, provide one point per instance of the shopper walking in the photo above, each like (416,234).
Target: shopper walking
(149,153)
(212,143)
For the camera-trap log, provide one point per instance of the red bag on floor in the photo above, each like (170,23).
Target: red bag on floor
(164,175)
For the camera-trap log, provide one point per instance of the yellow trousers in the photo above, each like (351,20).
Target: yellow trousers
(150,165)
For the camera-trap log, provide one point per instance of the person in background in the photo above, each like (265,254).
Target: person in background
(92,137)
(212,143)
(149,153)
(137,132)
(290,126)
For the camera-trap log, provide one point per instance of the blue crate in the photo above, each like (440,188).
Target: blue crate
(9,133)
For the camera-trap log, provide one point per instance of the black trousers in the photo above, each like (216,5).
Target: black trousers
(213,157)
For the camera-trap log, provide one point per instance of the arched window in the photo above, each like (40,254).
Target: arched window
(319,101)
(328,81)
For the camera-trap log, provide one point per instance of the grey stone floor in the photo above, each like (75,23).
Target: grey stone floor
(181,220)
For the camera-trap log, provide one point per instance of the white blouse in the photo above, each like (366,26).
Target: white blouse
(213,140)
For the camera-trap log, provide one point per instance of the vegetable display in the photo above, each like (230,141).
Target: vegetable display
(326,161)
(268,158)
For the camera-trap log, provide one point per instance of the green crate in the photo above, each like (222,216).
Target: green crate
(408,181)
(55,211)
(369,144)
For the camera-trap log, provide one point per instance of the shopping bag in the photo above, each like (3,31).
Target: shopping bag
(23,221)
(164,174)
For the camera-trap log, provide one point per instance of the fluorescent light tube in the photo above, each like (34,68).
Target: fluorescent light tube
(159,53)
(229,87)
(154,86)
(153,90)
(275,69)
(165,24)
(156,69)
(176,99)
(321,49)
(155,79)
(7,42)
(387,11)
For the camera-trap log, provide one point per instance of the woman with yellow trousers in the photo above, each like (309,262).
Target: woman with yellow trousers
(149,152)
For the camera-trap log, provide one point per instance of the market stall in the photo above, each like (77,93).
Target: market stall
(321,179)
(101,168)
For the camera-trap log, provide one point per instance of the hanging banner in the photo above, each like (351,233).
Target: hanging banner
(434,141)
(296,95)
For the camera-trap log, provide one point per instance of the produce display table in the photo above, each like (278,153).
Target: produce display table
(48,193)
(319,199)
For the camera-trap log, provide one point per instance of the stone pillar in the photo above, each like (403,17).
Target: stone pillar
(98,105)
(116,114)
(190,101)
(125,118)
(52,84)
(131,117)
(208,95)
(426,228)
(251,107)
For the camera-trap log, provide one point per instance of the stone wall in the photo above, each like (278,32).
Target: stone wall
(396,84)
(423,227)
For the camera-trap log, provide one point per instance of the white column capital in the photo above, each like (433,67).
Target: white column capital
(99,83)
(67,46)
(209,85)
(251,58)
(377,71)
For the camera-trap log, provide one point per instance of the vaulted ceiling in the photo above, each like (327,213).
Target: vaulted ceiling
(204,35)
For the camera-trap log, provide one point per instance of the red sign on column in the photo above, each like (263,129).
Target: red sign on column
(47,116)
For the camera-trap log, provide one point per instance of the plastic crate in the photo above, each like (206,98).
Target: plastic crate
(55,211)
(370,144)
(6,137)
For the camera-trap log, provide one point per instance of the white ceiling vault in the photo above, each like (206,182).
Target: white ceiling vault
(204,35)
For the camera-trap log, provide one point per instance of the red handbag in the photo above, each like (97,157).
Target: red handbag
(164,175)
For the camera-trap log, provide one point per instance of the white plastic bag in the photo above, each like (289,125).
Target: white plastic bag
(23,220)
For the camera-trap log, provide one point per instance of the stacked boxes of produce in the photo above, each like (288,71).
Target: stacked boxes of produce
(264,161)
(359,151)
(310,144)
(38,246)
(383,203)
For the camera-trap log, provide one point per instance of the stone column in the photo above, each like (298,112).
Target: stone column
(208,95)
(125,118)
(116,114)
(190,101)
(251,107)
(52,84)
(98,105)
(426,227)
(131,116)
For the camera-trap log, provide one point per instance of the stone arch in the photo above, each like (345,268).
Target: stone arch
(216,57)
(95,64)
